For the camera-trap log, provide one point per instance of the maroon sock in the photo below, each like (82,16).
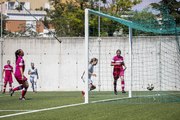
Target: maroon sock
(115,84)
(4,87)
(10,86)
(24,92)
(122,85)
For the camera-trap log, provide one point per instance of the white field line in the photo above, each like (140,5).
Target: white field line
(66,106)
(14,110)
(58,107)
(40,110)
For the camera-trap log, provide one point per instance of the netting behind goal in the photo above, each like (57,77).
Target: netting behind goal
(153,65)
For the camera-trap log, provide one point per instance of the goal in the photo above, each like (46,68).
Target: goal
(152,62)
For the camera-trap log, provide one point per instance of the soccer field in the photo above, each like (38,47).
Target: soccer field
(70,106)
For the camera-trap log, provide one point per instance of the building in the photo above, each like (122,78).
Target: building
(30,4)
(33,4)
(23,21)
(19,20)
(26,19)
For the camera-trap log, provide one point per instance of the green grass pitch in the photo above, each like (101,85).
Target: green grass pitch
(112,110)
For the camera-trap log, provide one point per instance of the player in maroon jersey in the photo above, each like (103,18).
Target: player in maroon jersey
(118,71)
(7,75)
(19,74)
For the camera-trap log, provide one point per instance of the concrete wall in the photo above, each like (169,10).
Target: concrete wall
(61,65)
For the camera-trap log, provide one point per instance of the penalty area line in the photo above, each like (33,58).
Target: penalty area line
(40,110)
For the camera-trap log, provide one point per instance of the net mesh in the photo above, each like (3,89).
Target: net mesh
(155,58)
(165,26)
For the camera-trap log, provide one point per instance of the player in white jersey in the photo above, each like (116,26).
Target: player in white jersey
(91,73)
(33,72)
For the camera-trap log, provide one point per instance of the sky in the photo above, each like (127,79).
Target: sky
(144,4)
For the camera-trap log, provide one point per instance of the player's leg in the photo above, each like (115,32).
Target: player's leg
(116,73)
(122,84)
(20,87)
(32,83)
(121,74)
(115,84)
(10,84)
(25,87)
(10,87)
(91,86)
(4,86)
(16,89)
(35,84)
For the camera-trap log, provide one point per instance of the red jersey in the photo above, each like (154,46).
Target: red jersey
(19,64)
(8,73)
(119,60)
(8,70)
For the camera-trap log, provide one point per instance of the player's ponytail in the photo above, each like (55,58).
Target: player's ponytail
(17,53)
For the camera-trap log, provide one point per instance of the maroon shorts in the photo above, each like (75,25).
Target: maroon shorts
(8,79)
(118,72)
(20,80)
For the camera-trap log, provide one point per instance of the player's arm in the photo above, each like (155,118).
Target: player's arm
(29,72)
(37,74)
(124,66)
(12,72)
(82,75)
(3,75)
(113,64)
(93,74)
(22,73)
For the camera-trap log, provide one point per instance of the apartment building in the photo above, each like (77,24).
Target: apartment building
(33,4)
(19,20)
(24,19)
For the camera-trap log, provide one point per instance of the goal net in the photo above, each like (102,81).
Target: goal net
(151,55)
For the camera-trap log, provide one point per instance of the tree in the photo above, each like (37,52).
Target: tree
(118,8)
(68,17)
(122,6)
(172,5)
(145,18)
(4,17)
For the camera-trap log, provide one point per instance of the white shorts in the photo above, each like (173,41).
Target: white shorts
(33,79)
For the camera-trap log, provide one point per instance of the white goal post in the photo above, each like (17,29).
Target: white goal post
(87,13)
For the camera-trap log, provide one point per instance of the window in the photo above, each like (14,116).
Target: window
(11,5)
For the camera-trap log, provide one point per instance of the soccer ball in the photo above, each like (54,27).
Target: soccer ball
(150,87)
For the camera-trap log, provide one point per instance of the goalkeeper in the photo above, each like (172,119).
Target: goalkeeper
(118,71)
